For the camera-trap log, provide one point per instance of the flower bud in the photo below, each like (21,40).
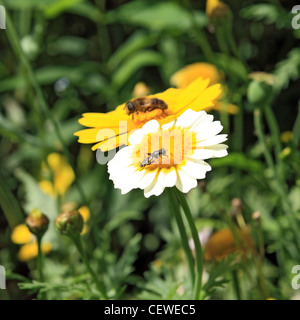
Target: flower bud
(37,222)
(217,11)
(258,93)
(70,223)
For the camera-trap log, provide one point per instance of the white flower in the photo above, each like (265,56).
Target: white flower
(170,155)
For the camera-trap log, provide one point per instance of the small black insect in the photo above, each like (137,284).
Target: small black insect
(152,157)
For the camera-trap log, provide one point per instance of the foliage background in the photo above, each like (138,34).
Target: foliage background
(87,57)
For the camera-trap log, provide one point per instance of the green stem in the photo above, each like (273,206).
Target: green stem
(15,43)
(40,260)
(195,236)
(261,138)
(100,286)
(272,123)
(42,295)
(236,285)
(200,38)
(184,239)
(296,129)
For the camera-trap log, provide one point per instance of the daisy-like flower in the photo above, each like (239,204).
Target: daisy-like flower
(61,172)
(110,130)
(185,76)
(169,155)
(29,246)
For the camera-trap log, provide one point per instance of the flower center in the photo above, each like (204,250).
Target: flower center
(165,149)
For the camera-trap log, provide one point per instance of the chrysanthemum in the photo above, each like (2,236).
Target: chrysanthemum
(223,243)
(185,76)
(29,249)
(169,155)
(61,172)
(109,130)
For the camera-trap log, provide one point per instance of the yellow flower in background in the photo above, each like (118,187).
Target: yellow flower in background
(29,247)
(185,76)
(62,175)
(141,90)
(216,9)
(110,130)
(30,250)
(223,243)
(86,214)
(286,136)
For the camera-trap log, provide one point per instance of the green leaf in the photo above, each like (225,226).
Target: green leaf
(288,69)
(237,160)
(124,267)
(133,63)
(58,6)
(48,75)
(163,15)
(268,13)
(138,40)
(216,274)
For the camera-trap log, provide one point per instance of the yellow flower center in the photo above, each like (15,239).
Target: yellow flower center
(165,149)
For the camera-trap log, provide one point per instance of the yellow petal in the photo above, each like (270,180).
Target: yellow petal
(188,74)
(47,187)
(21,234)
(30,250)
(85,212)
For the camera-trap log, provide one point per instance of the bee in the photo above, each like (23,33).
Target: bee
(152,157)
(144,105)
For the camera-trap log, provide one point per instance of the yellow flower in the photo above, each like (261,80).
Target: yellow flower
(141,90)
(110,130)
(29,249)
(62,173)
(185,76)
(216,9)
(222,243)
(86,214)
(286,136)
(21,234)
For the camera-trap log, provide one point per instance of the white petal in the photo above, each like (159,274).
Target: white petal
(157,186)
(208,130)
(170,177)
(167,126)
(137,136)
(216,151)
(212,141)
(185,182)
(187,119)
(202,119)
(147,179)
(196,169)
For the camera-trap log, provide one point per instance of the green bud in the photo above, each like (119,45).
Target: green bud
(70,223)
(37,222)
(259,93)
